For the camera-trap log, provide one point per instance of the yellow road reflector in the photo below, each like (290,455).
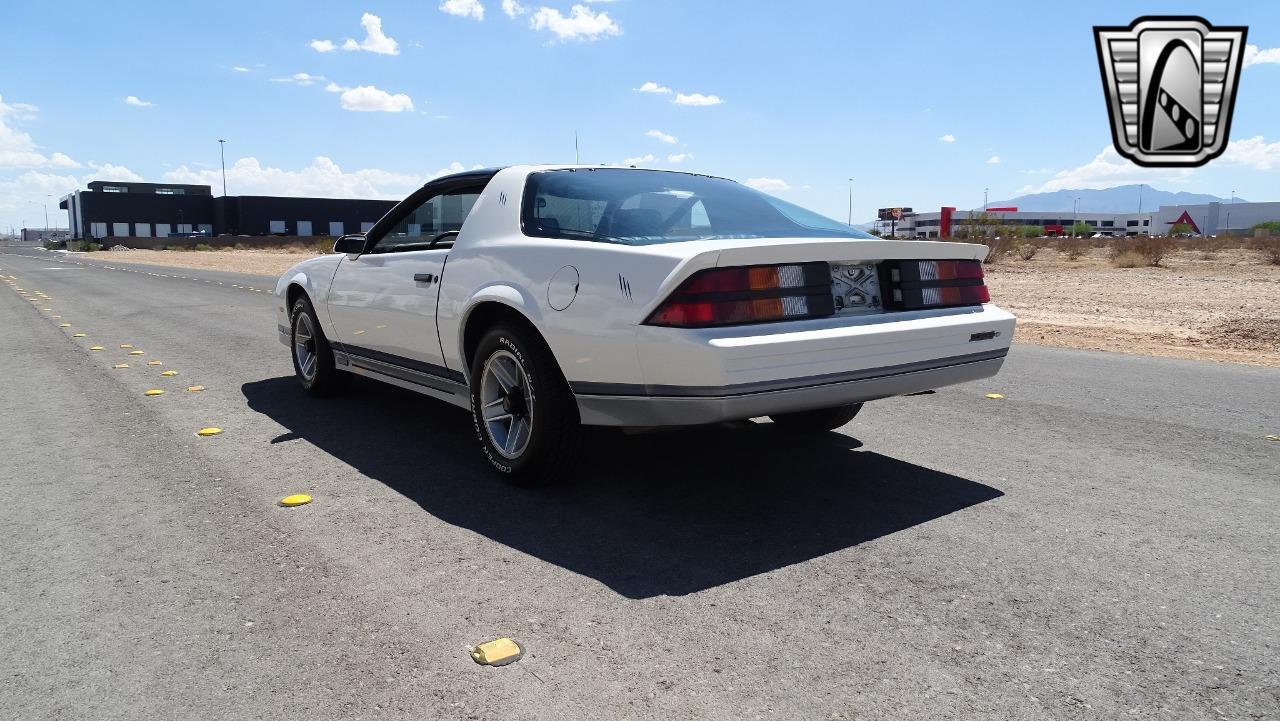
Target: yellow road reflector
(169,373)
(153,363)
(95,347)
(64,325)
(1274,438)
(297,499)
(358,332)
(136,352)
(77,335)
(497,653)
(208,431)
(120,365)
(126,345)
(56,317)
(994,396)
(154,392)
(195,389)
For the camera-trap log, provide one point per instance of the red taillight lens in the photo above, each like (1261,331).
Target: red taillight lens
(918,284)
(755,294)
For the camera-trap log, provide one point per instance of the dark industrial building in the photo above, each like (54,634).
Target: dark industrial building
(159,210)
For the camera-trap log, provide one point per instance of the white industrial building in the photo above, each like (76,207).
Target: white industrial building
(1205,219)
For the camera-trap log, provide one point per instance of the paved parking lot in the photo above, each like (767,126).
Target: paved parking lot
(1102,542)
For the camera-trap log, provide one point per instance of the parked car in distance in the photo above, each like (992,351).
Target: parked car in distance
(546,298)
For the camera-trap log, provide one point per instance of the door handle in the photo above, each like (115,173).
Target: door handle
(424,278)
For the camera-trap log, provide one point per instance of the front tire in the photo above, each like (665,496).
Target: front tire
(524,413)
(313,363)
(817,421)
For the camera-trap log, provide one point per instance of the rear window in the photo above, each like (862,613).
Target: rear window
(645,207)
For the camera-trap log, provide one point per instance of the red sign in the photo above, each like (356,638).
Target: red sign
(1009,209)
(1186,218)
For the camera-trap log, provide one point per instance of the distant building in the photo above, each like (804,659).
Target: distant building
(40,235)
(1205,219)
(157,210)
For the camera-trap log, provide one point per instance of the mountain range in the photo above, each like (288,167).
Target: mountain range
(1120,199)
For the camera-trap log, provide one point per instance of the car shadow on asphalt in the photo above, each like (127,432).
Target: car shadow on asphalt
(664,513)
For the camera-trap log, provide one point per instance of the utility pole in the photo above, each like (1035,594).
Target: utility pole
(222,147)
(576,160)
(850,222)
(1227,228)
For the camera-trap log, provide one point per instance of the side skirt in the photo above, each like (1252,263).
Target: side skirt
(428,385)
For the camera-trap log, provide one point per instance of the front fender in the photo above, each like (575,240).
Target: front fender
(315,280)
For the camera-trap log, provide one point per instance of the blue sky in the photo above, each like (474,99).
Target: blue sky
(923,104)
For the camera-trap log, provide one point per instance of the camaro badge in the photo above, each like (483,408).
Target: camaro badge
(1170,84)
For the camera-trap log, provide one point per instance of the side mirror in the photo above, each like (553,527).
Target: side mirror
(350,244)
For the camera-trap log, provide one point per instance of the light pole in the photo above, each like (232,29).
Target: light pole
(46,211)
(1233,202)
(1075,214)
(984,199)
(1140,187)
(222,148)
(850,222)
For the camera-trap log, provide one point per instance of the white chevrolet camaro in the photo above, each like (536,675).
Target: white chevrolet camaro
(546,298)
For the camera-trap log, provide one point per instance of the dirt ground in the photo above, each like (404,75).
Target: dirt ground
(1222,306)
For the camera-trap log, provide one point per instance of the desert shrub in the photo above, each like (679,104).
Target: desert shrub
(1270,247)
(1271,226)
(242,246)
(323,245)
(88,246)
(1151,248)
(1000,247)
(203,246)
(1027,251)
(1073,248)
(1128,259)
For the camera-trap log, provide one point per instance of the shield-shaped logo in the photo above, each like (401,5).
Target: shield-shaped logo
(1170,84)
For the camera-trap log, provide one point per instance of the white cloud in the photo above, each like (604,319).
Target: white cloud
(240,68)
(646,158)
(17,149)
(1254,152)
(107,171)
(463,8)
(371,99)
(136,101)
(322,179)
(323,46)
(1107,170)
(582,23)
(768,185)
(335,88)
(1253,55)
(375,41)
(948,138)
(679,157)
(697,99)
(993,160)
(659,135)
(513,9)
(652,87)
(1040,171)
(300,79)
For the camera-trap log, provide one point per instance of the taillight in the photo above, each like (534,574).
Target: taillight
(919,284)
(748,294)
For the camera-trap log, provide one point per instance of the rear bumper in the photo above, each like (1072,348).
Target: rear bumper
(694,405)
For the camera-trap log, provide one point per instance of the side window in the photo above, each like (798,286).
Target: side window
(427,225)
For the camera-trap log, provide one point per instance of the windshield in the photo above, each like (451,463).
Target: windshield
(645,207)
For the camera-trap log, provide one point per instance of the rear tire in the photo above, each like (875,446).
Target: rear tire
(817,421)
(313,363)
(525,416)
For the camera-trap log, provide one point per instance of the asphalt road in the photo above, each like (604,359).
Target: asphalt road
(1101,543)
